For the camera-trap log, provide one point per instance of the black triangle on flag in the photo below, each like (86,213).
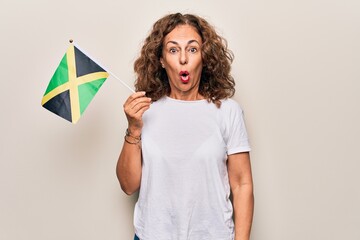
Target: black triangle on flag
(60,105)
(84,65)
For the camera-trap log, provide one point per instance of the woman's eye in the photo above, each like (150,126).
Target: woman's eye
(193,50)
(172,50)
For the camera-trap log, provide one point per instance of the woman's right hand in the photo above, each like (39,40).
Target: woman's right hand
(134,107)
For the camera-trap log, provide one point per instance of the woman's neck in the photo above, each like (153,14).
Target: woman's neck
(186,96)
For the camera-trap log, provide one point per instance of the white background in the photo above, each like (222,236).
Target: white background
(297,73)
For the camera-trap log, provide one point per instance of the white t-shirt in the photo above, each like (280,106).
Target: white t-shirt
(184,193)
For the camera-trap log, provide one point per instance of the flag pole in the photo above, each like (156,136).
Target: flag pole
(112,74)
(123,83)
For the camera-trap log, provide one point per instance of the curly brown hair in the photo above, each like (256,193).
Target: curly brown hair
(216,83)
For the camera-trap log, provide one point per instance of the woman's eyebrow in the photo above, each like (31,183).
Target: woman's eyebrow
(192,41)
(189,42)
(173,42)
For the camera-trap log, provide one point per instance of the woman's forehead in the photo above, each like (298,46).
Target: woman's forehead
(183,34)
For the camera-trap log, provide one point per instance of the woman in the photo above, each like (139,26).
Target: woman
(186,145)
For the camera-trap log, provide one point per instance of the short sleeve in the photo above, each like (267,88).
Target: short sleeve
(237,138)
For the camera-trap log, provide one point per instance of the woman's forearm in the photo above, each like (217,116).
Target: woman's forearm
(128,169)
(243,201)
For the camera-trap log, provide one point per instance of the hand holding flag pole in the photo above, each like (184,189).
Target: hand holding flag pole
(74,84)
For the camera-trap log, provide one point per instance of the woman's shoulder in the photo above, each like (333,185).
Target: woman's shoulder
(229,104)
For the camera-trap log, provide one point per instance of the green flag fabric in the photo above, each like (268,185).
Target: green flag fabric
(73,85)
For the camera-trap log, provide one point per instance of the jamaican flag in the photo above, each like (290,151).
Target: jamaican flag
(73,85)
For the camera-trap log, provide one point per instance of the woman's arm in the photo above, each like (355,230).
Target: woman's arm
(128,169)
(241,184)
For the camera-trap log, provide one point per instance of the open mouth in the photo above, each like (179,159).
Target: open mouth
(184,76)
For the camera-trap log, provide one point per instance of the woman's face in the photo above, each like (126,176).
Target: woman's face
(181,58)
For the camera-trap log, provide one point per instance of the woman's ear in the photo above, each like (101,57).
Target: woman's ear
(162,62)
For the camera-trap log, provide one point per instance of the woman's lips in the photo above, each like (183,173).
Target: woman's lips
(184,76)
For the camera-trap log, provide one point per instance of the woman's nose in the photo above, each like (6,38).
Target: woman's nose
(183,58)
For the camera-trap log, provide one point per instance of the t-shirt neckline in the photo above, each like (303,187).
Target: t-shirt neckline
(185,101)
